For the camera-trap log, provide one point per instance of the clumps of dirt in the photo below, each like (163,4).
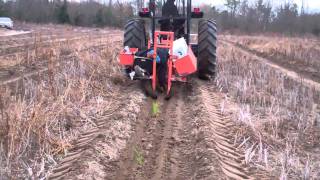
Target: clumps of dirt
(122,122)
(119,79)
(197,140)
(93,170)
(183,141)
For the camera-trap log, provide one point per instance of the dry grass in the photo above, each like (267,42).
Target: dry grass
(41,115)
(279,116)
(34,49)
(295,51)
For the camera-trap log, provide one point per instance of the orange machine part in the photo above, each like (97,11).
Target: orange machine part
(183,66)
(167,43)
(127,59)
(187,64)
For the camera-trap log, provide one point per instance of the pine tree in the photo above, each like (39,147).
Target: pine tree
(2,10)
(100,17)
(63,16)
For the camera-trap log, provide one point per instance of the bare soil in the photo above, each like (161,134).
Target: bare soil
(189,139)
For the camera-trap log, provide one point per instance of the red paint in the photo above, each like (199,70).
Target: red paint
(196,10)
(187,64)
(127,59)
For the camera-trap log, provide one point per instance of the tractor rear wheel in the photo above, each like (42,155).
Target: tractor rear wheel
(135,34)
(134,37)
(207,46)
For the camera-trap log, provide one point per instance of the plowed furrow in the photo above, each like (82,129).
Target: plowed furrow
(172,144)
(220,128)
(154,140)
(164,162)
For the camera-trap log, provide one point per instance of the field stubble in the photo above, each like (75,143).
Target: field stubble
(295,53)
(278,116)
(42,114)
(79,113)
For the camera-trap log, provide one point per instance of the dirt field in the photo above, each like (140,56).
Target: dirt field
(67,112)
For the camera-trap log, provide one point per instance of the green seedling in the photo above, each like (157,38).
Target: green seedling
(138,157)
(155,109)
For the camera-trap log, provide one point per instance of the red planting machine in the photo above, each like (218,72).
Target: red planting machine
(175,23)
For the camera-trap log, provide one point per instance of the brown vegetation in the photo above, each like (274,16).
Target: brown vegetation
(297,54)
(41,114)
(69,112)
(278,115)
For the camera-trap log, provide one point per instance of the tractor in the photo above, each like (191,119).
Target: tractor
(173,21)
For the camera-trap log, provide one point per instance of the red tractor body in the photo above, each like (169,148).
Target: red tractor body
(174,23)
(178,68)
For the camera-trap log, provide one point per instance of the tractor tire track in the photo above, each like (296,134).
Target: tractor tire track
(165,142)
(100,145)
(190,139)
(194,159)
(219,131)
(153,138)
(166,161)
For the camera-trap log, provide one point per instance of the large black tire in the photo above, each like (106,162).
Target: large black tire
(135,34)
(207,46)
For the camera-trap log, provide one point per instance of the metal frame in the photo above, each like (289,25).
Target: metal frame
(167,44)
(184,14)
(157,41)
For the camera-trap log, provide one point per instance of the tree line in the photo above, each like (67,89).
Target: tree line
(261,16)
(83,13)
(240,15)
